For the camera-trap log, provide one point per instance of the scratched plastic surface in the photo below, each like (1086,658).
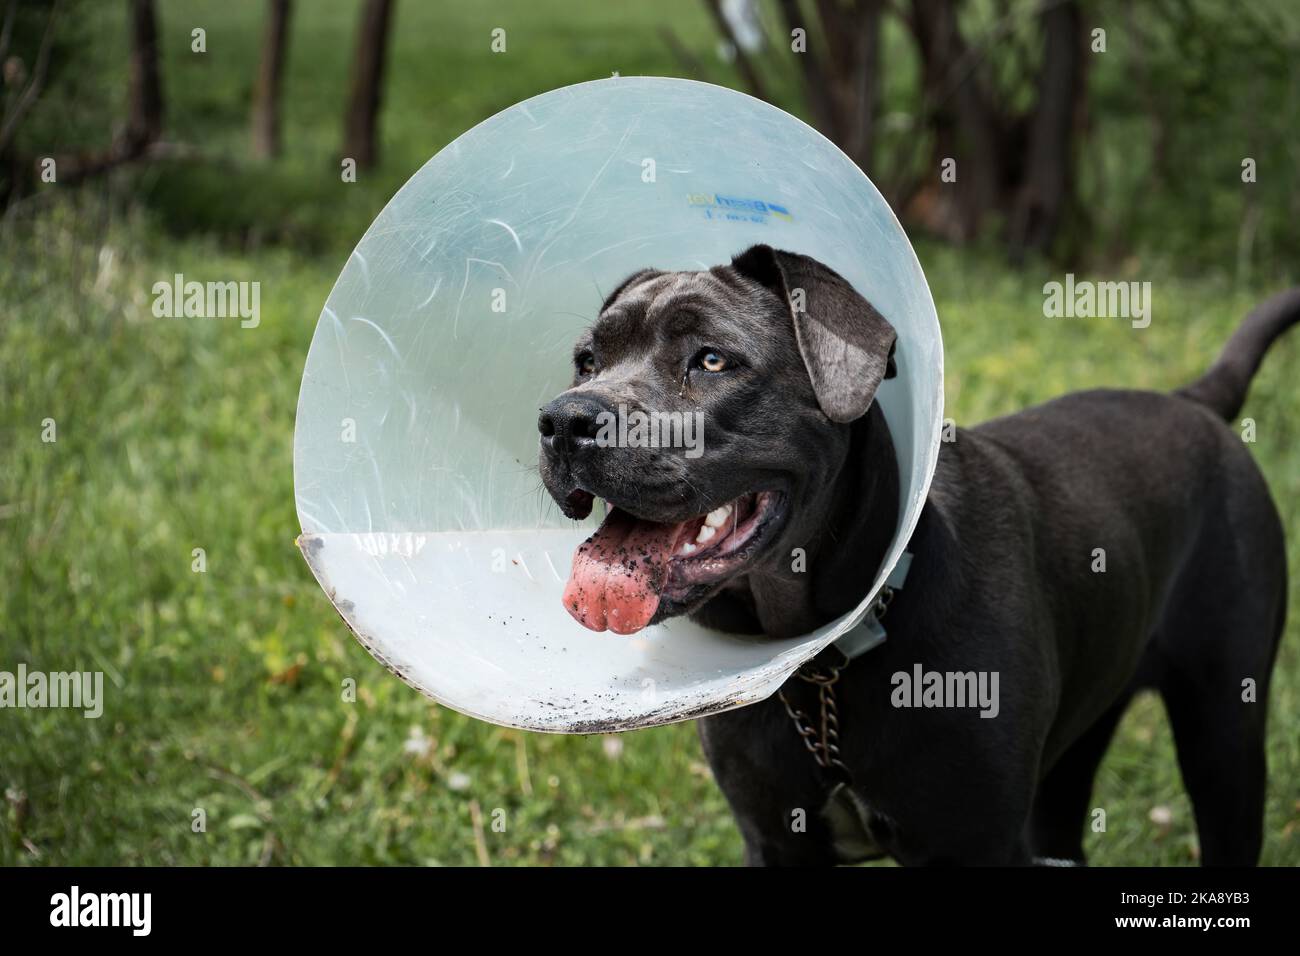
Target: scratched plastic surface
(452,322)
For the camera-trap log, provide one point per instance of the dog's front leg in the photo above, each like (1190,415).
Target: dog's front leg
(772,785)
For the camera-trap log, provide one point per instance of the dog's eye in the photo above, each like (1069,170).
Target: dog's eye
(586,363)
(711,360)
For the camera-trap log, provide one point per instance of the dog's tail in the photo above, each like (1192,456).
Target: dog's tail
(1223,388)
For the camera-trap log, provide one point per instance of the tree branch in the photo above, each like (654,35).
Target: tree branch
(816,84)
(32,92)
(743,62)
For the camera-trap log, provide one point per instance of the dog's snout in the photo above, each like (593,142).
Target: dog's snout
(570,424)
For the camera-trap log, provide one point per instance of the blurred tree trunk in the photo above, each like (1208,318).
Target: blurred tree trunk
(965,125)
(743,62)
(864,90)
(842,87)
(145,121)
(815,81)
(1048,181)
(853,37)
(362,119)
(270,76)
(20,93)
(1014,165)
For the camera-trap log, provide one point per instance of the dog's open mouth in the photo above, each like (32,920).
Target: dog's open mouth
(622,572)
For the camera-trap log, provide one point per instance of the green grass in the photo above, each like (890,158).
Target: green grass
(223,688)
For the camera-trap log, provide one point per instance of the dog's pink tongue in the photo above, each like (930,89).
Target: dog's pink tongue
(617,573)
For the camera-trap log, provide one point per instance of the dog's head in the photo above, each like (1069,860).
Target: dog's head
(711,410)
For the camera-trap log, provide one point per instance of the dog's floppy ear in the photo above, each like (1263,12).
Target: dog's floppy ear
(847,346)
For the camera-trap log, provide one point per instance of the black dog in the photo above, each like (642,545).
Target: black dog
(1005,579)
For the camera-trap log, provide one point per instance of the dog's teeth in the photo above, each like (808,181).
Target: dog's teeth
(688,548)
(706,532)
(715,519)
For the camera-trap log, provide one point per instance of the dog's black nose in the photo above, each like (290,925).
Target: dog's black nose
(570,424)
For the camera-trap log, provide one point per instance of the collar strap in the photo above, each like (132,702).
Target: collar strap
(869,632)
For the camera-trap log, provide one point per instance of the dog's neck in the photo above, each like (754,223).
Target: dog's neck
(845,553)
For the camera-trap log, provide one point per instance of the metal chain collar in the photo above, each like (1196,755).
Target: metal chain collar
(823,738)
